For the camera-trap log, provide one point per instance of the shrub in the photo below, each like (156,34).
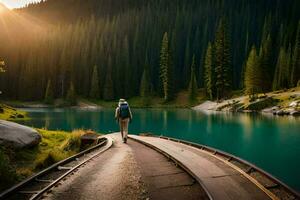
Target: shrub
(8,173)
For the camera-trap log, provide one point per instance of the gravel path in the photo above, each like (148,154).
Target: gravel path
(113,175)
(128,171)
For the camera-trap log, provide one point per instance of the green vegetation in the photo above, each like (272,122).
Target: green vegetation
(12,114)
(223,68)
(166,69)
(7,170)
(49,93)
(71,98)
(208,74)
(193,88)
(253,75)
(108,93)
(120,38)
(282,101)
(296,60)
(145,88)
(55,146)
(95,90)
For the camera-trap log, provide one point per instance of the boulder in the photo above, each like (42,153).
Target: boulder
(295,113)
(282,112)
(17,136)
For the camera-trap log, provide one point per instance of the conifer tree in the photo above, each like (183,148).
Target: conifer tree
(208,73)
(166,69)
(49,95)
(145,88)
(187,64)
(281,76)
(266,64)
(295,74)
(108,90)
(95,91)
(253,76)
(222,61)
(71,95)
(193,88)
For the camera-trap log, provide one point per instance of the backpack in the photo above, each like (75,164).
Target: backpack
(124,111)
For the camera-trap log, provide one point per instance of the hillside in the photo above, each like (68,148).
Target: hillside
(10,113)
(111,44)
(283,102)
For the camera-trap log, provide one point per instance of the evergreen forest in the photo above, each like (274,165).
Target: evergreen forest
(108,49)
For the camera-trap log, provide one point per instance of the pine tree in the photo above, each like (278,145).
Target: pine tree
(295,74)
(253,76)
(71,95)
(108,90)
(145,88)
(281,76)
(187,64)
(166,69)
(222,61)
(193,87)
(208,73)
(95,91)
(49,95)
(265,60)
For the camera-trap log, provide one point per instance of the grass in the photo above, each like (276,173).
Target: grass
(12,114)
(55,146)
(181,101)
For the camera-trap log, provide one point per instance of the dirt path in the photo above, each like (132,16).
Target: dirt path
(128,171)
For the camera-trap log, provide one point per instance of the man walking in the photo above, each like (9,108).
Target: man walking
(123,115)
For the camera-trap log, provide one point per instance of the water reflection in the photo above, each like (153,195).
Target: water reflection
(271,142)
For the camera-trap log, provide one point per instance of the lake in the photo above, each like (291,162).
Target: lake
(272,143)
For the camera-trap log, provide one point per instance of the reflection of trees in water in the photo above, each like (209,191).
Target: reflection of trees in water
(47,122)
(95,121)
(143,119)
(70,116)
(165,120)
(209,124)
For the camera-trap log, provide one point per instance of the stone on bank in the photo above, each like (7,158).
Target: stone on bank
(17,136)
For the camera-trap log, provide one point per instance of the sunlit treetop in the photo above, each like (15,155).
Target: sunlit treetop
(16,3)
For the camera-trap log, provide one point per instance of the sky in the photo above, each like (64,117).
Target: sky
(16,3)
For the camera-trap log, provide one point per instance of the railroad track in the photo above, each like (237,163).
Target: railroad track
(36,186)
(257,175)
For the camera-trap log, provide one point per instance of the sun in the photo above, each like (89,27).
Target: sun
(3,8)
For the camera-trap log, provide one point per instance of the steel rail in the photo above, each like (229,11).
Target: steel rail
(177,162)
(230,158)
(102,142)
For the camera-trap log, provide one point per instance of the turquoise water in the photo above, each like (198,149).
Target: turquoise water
(271,143)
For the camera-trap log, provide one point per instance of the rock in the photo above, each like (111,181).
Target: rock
(261,104)
(282,112)
(295,113)
(20,116)
(272,110)
(89,138)
(17,136)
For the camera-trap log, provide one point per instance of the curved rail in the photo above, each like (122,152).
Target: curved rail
(250,168)
(178,163)
(104,142)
